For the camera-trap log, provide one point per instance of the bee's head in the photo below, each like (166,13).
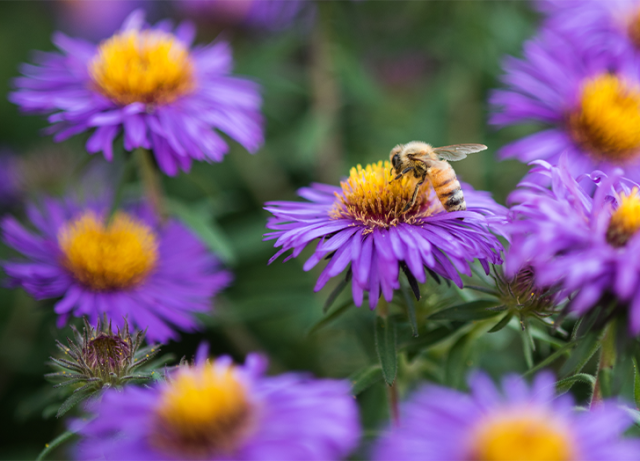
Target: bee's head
(394,157)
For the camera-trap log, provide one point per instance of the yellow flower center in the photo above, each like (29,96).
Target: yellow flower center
(371,197)
(606,125)
(108,257)
(151,67)
(522,436)
(203,411)
(625,221)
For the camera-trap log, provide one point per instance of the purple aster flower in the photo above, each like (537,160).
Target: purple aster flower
(588,101)
(524,423)
(95,19)
(215,410)
(585,242)
(611,26)
(264,14)
(147,83)
(362,228)
(156,274)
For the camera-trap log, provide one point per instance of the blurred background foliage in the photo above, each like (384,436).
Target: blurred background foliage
(341,86)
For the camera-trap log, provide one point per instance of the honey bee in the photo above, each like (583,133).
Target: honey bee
(426,161)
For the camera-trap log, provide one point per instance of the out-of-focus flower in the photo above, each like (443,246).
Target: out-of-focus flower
(590,101)
(147,83)
(263,14)
(159,275)
(10,179)
(361,227)
(584,244)
(611,27)
(216,410)
(521,423)
(100,359)
(95,19)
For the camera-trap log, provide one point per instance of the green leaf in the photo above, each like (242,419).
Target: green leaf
(430,338)
(474,310)
(55,443)
(527,347)
(78,396)
(552,358)
(385,337)
(636,382)
(336,291)
(330,317)
(202,224)
(456,365)
(502,323)
(564,385)
(587,346)
(411,309)
(364,379)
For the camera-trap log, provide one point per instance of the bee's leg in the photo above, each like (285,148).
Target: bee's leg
(409,205)
(405,171)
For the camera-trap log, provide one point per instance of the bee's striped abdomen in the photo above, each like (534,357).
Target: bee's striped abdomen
(447,187)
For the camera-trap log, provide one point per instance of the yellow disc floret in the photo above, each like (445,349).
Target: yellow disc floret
(203,411)
(625,220)
(606,124)
(151,67)
(371,197)
(108,257)
(522,436)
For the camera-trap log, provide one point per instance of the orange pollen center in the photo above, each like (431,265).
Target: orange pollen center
(108,257)
(606,123)
(370,196)
(150,66)
(522,436)
(625,220)
(204,411)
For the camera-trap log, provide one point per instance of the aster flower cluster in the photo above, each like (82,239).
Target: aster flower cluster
(140,267)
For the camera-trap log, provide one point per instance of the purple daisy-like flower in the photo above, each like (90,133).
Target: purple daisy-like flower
(156,274)
(215,410)
(585,242)
(147,83)
(588,101)
(362,227)
(264,14)
(611,26)
(524,423)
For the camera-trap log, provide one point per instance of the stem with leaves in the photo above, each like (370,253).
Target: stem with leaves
(386,346)
(150,177)
(602,387)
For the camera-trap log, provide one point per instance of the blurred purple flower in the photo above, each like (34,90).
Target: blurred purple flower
(10,180)
(264,14)
(95,19)
(215,410)
(590,102)
(582,241)
(361,227)
(159,275)
(521,423)
(611,26)
(147,83)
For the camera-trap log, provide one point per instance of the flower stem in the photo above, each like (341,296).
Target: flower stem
(325,94)
(607,359)
(117,196)
(392,397)
(151,181)
(55,443)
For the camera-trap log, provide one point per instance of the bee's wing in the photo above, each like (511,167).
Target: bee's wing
(458,151)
